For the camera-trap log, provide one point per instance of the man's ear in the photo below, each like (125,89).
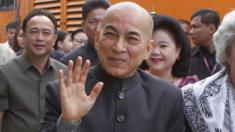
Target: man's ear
(55,38)
(149,49)
(59,43)
(212,28)
(97,37)
(23,34)
(83,25)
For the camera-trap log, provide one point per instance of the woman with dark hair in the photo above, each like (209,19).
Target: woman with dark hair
(169,59)
(18,43)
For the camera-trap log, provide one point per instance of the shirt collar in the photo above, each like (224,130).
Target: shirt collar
(26,64)
(115,83)
(195,50)
(200,50)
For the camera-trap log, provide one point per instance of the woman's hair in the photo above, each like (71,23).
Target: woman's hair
(224,37)
(181,66)
(16,46)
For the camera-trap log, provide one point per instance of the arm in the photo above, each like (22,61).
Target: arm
(1,116)
(176,122)
(75,103)
(53,109)
(3,95)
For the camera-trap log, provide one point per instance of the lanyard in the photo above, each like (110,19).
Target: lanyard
(212,71)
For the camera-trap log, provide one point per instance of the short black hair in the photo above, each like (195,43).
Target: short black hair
(80,30)
(90,5)
(181,66)
(12,25)
(208,16)
(39,12)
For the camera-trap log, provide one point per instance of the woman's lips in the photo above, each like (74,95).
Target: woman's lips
(156,60)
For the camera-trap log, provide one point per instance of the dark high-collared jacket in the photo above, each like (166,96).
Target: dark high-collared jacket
(140,103)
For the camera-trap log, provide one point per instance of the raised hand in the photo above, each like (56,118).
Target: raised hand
(75,102)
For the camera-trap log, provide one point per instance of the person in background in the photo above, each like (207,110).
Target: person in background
(131,100)
(6,54)
(170,56)
(63,42)
(18,43)
(210,103)
(79,38)
(11,29)
(67,43)
(185,25)
(204,24)
(62,45)
(23,80)
(92,14)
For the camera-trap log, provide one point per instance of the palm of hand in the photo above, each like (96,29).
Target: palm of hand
(75,102)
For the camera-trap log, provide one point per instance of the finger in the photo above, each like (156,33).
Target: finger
(62,84)
(70,73)
(84,71)
(96,90)
(77,69)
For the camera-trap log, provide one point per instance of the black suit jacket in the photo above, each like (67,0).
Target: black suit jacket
(86,52)
(197,65)
(141,103)
(57,54)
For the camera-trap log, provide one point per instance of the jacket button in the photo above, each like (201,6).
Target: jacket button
(120,118)
(121,95)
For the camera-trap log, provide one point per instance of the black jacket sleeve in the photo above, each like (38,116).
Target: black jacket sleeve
(176,122)
(53,108)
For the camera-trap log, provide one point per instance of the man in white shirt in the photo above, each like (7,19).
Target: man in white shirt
(11,29)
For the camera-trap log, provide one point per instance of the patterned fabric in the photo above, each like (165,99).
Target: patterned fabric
(209,104)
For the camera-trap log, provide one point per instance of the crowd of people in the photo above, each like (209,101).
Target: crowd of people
(125,70)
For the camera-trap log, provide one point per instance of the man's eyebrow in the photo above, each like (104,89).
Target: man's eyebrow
(134,33)
(110,27)
(44,28)
(163,41)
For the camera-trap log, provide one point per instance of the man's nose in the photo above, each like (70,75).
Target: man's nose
(40,36)
(191,31)
(119,46)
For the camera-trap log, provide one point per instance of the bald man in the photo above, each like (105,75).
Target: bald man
(115,96)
